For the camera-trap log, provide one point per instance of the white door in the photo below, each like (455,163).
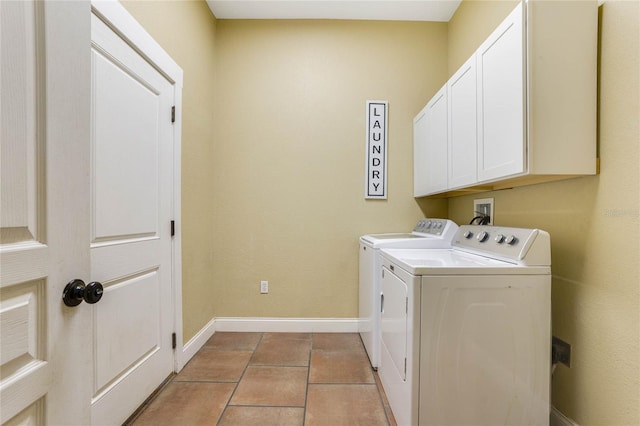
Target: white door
(462,126)
(501,126)
(393,319)
(430,146)
(44,122)
(87,162)
(132,142)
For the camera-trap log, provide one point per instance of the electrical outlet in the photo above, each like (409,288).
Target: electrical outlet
(264,287)
(484,207)
(560,352)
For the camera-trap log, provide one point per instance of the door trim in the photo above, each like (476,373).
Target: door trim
(122,23)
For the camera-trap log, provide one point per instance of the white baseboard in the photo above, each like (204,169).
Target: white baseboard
(556,418)
(196,343)
(289,325)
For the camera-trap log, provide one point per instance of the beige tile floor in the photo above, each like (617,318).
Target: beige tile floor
(273,379)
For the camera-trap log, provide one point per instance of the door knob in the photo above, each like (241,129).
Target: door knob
(76,291)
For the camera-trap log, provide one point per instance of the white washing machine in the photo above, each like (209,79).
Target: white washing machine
(466,332)
(428,233)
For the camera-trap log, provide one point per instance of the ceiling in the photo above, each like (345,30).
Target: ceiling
(387,10)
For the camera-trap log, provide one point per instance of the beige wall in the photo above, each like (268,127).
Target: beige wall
(273,153)
(594,227)
(273,160)
(471,24)
(290,151)
(187,31)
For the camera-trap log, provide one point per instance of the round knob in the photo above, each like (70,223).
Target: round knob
(428,224)
(482,236)
(467,234)
(511,240)
(93,292)
(499,238)
(76,291)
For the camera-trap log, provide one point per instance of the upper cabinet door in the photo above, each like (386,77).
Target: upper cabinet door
(501,112)
(430,146)
(462,126)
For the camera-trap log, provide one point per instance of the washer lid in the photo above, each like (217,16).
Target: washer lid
(428,233)
(455,262)
(406,241)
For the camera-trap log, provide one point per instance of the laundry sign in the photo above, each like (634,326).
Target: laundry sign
(376,181)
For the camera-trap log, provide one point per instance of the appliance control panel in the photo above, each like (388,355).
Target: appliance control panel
(518,245)
(432,226)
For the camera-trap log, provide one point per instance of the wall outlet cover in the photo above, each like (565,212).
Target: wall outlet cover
(484,207)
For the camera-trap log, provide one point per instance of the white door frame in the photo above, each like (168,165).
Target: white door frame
(121,21)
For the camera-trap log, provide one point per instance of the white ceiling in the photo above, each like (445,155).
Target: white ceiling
(387,10)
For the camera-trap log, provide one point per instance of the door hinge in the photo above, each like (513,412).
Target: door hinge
(173,114)
(173,228)
(173,341)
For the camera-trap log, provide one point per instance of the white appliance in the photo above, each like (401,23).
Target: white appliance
(466,332)
(428,233)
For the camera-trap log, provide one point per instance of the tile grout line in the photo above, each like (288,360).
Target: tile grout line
(235,388)
(306,396)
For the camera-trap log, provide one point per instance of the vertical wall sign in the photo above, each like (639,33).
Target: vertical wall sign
(376,181)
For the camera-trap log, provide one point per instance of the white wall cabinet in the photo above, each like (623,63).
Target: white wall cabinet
(462,122)
(521,110)
(501,131)
(430,146)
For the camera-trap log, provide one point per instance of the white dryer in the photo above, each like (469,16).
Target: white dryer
(466,332)
(428,233)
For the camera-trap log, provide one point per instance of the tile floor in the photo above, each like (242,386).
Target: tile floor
(273,379)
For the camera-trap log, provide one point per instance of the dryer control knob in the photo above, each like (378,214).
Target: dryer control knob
(482,237)
(499,238)
(467,234)
(511,240)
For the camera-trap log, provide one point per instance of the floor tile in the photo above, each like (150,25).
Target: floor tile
(337,388)
(337,342)
(218,366)
(262,416)
(284,352)
(340,367)
(332,405)
(286,336)
(187,404)
(274,386)
(225,341)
